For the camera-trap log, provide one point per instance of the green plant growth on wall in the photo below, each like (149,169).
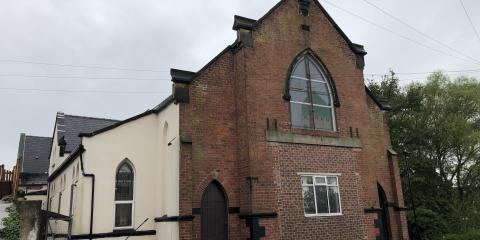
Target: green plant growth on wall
(11,223)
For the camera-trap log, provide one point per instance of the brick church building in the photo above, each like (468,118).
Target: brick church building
(280,130)
(275,138)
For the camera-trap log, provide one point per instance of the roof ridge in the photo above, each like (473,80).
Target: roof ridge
(157,109)
(37,136)
(96,118)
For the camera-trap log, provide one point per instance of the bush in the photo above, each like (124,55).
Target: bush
(430,224)
(463,236)
(7,198)
(11,223)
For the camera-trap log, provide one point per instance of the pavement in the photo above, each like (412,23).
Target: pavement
(3,211)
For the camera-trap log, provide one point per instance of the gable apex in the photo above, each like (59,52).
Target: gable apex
(250,24)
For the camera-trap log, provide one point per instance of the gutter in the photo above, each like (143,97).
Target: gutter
(71,158)
(90,175)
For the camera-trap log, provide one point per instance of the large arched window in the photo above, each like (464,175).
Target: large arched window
(311,102)
(124,196)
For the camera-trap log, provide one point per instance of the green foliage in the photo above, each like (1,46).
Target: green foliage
(430,224)
(11,223)
(7,198)
(435,127)
(474,235)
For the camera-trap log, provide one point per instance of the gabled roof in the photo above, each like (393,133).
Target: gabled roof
(383,105)
(70,159)
(240,22)
(157,109)
(70,126)
(79,149)
(35,154)
(247,23)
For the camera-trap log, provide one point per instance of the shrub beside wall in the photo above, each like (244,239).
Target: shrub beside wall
(11,223)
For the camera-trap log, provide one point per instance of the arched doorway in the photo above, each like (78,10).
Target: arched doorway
(384,223)
(214,213)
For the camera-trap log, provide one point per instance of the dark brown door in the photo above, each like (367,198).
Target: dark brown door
(214,213)
(384,223)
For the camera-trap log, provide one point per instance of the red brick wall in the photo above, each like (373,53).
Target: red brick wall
(292,159)
(226,119)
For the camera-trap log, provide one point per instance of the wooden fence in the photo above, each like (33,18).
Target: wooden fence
(6,178)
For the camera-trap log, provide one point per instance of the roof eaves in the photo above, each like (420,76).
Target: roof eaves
(53,136)
(383,105)
(79,150)
(269,12)
(95,118)
(156,110)
(175,72)
(356,48)
(170,99)
(148,112)
(21,145)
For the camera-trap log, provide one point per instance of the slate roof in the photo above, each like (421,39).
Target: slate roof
(70,126)
(35,154)
(156,110)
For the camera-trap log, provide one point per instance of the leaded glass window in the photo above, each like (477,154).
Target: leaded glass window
(124,196)
(311,104)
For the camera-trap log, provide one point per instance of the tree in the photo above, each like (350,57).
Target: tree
(438,122)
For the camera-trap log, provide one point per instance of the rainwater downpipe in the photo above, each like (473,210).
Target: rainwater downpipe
(90,175)
(70,212)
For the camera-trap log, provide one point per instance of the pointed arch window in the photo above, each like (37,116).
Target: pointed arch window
(124,196)
(311,101)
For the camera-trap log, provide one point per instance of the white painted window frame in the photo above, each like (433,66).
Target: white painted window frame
(125,201)
(325,175)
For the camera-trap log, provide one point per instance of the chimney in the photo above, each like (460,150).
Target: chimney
(62,143)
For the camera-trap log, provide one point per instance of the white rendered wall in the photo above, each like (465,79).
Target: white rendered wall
(144,142)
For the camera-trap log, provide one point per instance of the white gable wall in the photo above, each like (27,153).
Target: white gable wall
(55,159)
(156,182)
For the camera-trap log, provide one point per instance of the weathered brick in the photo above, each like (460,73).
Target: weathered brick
(226,118)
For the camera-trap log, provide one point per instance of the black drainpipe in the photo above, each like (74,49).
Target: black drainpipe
(48,196)
(93,190)
(48,209)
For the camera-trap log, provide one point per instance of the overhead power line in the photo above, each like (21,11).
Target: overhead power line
(470,20)
(398,34)
(419,31)
(80,91)
(80,77)
(450,71)
(79,66)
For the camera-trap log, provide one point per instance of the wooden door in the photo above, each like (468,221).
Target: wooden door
(214,213)
(384,223)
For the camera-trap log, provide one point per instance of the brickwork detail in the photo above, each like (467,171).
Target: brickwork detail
(238,97)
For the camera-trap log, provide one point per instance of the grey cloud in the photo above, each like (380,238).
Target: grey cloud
(186,34)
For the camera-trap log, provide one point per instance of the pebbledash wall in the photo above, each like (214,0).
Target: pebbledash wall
(236,118)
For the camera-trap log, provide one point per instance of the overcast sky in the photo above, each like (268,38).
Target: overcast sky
(160,34)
